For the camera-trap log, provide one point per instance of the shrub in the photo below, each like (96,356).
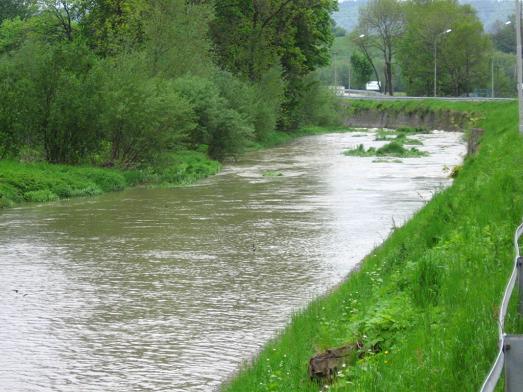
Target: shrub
(41,196)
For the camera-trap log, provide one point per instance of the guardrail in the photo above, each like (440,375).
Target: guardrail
(510,354)
(403,98)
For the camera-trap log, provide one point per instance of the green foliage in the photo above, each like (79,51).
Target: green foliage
(361,70)
(462,54)
(142,116)
(112,26)
(251,39)
(312,104)
(269,95)
(40,196)
(10,9)
(177,38)
(380,26)
(50,97)
(47,182)
(503,35)
(225,130)
(393,149)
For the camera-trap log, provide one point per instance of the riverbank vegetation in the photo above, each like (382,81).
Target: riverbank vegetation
(43,182)
(397,139)
(392,149)
(125,84)
(423,306)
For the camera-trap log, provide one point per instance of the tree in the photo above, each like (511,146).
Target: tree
(361,69)
(462,54)
(383,22)
(113,26)
(10,9)
(504,36)
(56,99)
(251,37)
(177,38)
(363,43)
(142,116)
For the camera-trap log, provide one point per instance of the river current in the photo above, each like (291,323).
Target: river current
(172,289)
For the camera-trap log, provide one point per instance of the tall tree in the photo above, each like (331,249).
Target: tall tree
(177,38)
(361,69)
(22,9)
(251,37)
(113,26)
(462,54)
(504,35)
(383,22)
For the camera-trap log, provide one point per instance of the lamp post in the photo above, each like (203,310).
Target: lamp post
(492,69)
(335,73)
(519,64)
(435,59)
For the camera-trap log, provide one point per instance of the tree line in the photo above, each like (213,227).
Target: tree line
(121,82)
(401,43)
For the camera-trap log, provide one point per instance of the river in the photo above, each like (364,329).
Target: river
(171,289)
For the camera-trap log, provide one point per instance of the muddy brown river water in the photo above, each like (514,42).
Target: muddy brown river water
(171,289)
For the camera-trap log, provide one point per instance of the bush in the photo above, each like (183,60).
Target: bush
(225,130)
(142,117)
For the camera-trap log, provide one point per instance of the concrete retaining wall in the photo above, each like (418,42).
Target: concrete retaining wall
(375,118)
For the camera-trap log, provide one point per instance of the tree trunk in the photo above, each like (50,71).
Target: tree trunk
(388,73)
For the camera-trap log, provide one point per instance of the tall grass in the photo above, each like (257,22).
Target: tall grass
(42,182)
(425,302)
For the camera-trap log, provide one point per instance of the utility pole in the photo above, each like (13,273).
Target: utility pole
(435,64)
(519,64)
(436,59)
(492,81)
(335,74)
(350,72)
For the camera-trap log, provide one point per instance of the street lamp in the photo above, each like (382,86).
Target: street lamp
(492,69)
(435,58)
(519,63)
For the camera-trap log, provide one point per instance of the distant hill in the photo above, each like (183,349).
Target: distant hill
(488,11)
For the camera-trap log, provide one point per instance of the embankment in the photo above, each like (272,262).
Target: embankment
(423,304)
(373,114)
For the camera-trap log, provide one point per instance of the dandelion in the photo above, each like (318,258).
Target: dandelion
(386,352)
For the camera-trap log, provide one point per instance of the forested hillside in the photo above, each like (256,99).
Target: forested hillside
(124,82)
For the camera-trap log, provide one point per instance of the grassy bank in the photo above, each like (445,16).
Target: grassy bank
(42,182)
(424,304)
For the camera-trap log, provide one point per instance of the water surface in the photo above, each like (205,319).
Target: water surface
(171,289)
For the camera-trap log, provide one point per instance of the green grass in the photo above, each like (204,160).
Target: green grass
(42,182)
(425,302)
